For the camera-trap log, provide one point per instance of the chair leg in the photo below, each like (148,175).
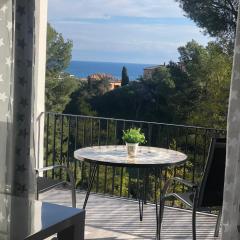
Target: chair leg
(160,218)
(161,207)
(195,201)
(217,227)
(161,213)
(194,223)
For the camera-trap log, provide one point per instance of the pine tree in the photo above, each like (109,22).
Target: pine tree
(125,78)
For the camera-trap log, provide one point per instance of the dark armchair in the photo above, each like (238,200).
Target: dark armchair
(45,183)
(207,195)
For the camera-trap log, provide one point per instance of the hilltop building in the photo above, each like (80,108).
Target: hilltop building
(148,71)
(113,82)
(101,76)
(83,79)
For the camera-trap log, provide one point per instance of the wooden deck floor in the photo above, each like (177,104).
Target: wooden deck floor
(111,218)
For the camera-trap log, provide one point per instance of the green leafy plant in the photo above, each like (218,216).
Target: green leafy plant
(133,135)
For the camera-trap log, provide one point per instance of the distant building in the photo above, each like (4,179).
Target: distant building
(115,84)
(83,79)
(101,76)
(148,71)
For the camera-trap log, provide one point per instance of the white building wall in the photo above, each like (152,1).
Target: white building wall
(40,66)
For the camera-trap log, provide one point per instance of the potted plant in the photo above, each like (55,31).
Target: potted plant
(133,137)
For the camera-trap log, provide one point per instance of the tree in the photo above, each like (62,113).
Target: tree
(113,103)
(98,86)
(82,97)
(59,85)
(193,91)
(209,69)
(192,56)
(145,100)
(185,95)
(58,92)
(125,78)
(59,52)
(217,17)
(79,103)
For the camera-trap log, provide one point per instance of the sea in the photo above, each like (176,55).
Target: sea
(83,69)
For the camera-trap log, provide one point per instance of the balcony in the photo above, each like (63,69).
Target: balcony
(112,211)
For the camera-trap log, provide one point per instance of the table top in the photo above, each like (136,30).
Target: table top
(117,156)
(21,218)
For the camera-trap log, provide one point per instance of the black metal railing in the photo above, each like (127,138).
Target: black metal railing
(64,133)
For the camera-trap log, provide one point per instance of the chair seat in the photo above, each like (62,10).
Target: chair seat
(186,198)
(45,183)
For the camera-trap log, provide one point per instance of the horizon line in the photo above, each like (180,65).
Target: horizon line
(90,61)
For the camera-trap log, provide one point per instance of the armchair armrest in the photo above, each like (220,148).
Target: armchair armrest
(69,173)
(185,182)
(180,180)
(48,168)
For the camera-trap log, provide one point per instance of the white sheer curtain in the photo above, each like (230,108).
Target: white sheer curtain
(17,159)
(231,205)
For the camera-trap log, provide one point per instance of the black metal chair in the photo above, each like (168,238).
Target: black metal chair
(209,194)
(44,183)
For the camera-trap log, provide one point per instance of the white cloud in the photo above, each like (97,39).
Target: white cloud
(156,39)
(108,8)
(124,40)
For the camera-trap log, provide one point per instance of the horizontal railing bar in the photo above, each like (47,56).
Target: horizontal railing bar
(138,121)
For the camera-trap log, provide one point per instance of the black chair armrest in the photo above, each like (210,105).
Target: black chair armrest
(69,173)
(185,182)
(48,168)
(180,180)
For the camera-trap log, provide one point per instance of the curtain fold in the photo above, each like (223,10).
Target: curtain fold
(6,90)
(17,155)
(231,204)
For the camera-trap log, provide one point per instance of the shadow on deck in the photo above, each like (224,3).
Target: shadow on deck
(112,218)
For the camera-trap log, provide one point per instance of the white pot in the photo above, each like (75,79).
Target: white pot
(132,149)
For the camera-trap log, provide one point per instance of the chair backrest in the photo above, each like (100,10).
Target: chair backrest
(211,189)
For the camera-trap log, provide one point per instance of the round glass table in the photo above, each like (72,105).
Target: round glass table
(116,155)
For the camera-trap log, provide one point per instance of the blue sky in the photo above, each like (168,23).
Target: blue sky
(128,31)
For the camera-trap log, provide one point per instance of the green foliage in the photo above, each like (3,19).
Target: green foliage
(194,91)
(59,51)
(125,78)
(58,92)
(218,18)
(210,69)
(82,97)
(59,85)
(79,103)
(133,135)
(125,102)
(98,87)
(145,99)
